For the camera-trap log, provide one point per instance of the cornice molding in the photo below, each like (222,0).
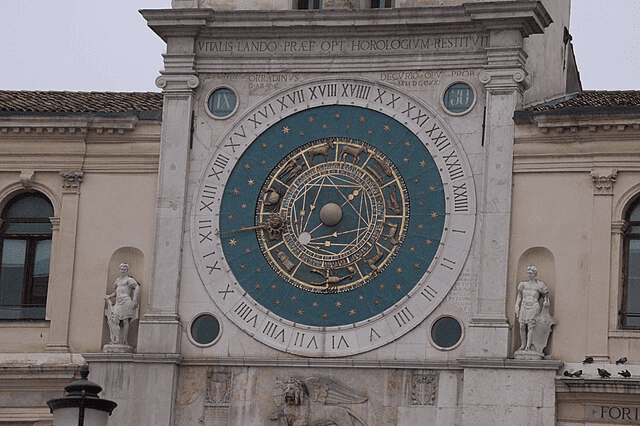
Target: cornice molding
(66,124)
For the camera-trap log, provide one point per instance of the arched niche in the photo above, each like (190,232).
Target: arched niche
(544,261)
(135,259)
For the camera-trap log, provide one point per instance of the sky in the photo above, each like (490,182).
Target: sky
(89,45)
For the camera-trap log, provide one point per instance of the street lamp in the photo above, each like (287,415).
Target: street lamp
(81,406)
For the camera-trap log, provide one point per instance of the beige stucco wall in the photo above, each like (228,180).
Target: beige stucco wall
(115,210)
(557,207)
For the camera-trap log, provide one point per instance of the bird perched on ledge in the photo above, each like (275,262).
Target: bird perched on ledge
(588,360)
(604,373)
(625,374)
(621,360)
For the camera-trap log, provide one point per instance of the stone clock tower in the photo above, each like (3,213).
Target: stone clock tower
(333,215)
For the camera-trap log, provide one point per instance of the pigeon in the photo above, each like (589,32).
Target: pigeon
(566,373)
(577,373)
(621,360)
(603,373)
(588,360)
(625,374)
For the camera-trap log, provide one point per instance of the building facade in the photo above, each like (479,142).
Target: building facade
(330,222)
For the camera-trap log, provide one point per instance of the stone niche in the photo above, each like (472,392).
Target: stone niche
(216,395)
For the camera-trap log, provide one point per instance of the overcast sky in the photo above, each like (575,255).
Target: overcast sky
(85,45)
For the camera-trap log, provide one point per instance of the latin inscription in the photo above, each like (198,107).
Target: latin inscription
(614,414)
(343,47)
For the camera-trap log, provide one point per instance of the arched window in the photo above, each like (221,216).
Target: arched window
(25,244)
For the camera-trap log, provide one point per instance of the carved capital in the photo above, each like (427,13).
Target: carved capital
(55,223)
(505,80)
(71,180)
(177,82)
(619,227)
(603,181)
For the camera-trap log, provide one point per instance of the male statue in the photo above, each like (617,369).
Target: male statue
(126,291)
(528,306)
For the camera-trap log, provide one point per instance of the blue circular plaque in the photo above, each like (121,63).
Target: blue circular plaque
(222,102)
(459,98)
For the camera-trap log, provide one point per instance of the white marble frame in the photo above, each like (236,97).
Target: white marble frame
(381,329)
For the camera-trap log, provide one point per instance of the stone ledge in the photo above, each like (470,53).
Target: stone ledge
(578,384)
(508,363)
(322,363)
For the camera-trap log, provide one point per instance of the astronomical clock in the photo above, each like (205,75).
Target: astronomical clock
(333,217)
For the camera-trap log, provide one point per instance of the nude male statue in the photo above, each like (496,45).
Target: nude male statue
(528,306)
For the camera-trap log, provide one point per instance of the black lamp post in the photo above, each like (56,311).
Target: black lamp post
(81,406)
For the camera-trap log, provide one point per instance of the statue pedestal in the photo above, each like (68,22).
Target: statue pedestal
(115,348)
(529,355)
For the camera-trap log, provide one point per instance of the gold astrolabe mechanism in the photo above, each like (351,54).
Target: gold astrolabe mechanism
(332,215)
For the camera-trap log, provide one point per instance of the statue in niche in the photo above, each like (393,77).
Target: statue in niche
(314,402)
(535,321)
(126,292)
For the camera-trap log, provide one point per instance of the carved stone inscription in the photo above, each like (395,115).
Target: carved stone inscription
(330,46)
(464,292)
(613,414)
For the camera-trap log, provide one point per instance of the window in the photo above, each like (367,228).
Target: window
(381,4)
(25,253)
(307,4)
(630,310)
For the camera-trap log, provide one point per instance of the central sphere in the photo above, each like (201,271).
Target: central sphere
(330,214)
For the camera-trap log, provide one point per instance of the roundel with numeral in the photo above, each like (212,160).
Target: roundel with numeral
(333,218)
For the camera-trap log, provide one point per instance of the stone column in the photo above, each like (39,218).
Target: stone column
(504,80)
(61,279)
(600,265)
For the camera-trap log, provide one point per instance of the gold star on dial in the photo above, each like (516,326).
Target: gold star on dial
(338,304)
(233,242)
(363,119)
(423,163)
(250,182)
(336,115)
(434,215)
(352,312)
(311,119)
(387,128)
(300,312)
(398,286)
(325,316)
(286,130)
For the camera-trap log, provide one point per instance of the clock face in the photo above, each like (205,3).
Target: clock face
(332,228)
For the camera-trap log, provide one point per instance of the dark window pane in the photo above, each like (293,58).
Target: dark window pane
(29,207)
(12,273)
(446,332)
(205,329)
(28,228)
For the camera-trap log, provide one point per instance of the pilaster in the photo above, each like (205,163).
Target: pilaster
(160,329)
(505,81)
(61,279)
(599,273)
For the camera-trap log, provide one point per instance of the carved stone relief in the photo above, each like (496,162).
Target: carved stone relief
(217,397)
(315,401)
(424,388)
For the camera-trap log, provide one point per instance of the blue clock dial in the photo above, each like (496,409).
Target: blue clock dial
(332,215)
